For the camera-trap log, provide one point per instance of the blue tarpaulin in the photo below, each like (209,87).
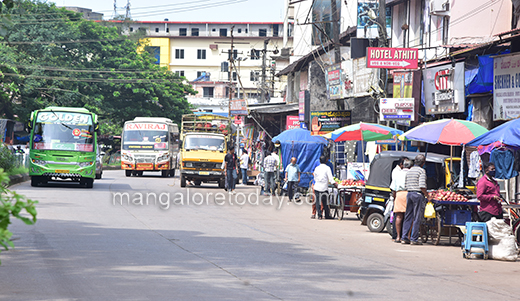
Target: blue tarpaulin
(507,133)
(306,148)
(480,80)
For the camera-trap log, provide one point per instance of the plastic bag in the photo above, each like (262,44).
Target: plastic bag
(429,210)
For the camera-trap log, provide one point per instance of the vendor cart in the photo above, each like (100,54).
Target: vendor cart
(346,199)
(449,217)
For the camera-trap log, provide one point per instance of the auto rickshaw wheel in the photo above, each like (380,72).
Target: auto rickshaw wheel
(375,222)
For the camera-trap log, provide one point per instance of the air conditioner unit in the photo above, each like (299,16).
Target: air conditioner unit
(440,7)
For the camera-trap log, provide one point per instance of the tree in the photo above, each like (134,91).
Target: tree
(57,58)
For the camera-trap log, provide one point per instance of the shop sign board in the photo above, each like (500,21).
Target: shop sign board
(358,171)
(238,107)
(397,109)
(333,78)
(506,87)
(363,77)
(304,102)
(323,122)
(292,122)
(444,89)
(392,58)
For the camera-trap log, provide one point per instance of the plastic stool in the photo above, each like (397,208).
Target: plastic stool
(476,237)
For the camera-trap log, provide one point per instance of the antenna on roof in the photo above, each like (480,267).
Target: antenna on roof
(128,14)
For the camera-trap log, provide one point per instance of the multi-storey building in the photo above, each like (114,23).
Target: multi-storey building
(199,51)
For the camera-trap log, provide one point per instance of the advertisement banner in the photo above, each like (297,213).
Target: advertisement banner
(238,107)
(403,84)
(506,87)
(444,89)
(392,58)
(333,78)
(323,122)
(358,171)
(301,106)
(363,77)
(292,122)
(397,109)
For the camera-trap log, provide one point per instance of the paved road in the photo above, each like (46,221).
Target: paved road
(86,247)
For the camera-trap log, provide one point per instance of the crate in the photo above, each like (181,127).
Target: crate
(457,217)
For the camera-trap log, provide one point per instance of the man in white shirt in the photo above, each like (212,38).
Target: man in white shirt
(244,162)
(322,178)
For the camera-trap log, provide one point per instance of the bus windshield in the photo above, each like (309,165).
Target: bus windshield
(63,131)
(204,142)
(145,139)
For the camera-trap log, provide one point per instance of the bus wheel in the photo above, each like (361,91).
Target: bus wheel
(183,181)
(128,173)
(35,181)
(140,173)
(198,182)
(89,183)
(165,173)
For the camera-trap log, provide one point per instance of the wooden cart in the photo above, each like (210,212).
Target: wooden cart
(344,199)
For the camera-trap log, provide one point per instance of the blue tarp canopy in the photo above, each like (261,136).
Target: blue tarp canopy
(306,148)
(480,80)
(507,133)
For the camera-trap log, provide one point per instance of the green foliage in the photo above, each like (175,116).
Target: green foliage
(7,160)
(18,171)
(53,57)
(13,205)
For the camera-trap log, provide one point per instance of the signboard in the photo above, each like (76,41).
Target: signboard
(139,126)
(238,120)
(366,27)
(444,89)
(304,106)
(334,82)
(64,118)
(292,122)
(403,84)
(358,171)
(506,87)
(397,109)
(363,77)
(238,107)
(323,122)
(392,58)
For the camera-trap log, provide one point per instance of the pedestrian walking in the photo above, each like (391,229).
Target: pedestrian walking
(231,170)
(316,164)
(292,177)
(322,178)
(244,163)
(271,164)
(398,187)
(415,201)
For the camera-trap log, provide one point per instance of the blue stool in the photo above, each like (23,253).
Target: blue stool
(476,236)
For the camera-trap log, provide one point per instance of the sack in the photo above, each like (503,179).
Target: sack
(503,248)
(429,210)
(498,229)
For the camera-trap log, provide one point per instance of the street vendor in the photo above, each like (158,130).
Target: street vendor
(488,193)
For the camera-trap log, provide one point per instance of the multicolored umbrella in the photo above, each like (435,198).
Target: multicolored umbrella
(452,132)
(364,132)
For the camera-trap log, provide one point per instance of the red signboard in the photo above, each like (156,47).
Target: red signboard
(392,58)
(293,122)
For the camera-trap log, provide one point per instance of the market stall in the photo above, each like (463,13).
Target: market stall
(349,192)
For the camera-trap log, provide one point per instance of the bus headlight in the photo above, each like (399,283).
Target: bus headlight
(85,164)
(188,164)
(39,162)
(164,157)
(127,157)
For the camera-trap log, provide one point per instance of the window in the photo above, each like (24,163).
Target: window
(239,30)
(156,29)
(194,32)
(275,30)
(179,53)
(199,73)
(201,54)
(223,32)
(254,76)
(262,32)
(255,54)
(234,75)
(247,30)
(131,29)
(179,72)
(214,29)
(183,32)
(322,14)
(207,91)
(167,29)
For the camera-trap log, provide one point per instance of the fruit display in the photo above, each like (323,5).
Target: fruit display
(445,195)
(352,183)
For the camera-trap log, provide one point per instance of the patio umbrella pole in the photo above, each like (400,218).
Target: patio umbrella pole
(363,154)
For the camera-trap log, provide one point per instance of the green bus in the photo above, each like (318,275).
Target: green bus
(63,145)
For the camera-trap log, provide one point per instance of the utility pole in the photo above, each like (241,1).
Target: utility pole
(230,69)
(337,47)
(263,86)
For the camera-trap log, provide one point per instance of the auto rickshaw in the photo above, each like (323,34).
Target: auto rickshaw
(377,192)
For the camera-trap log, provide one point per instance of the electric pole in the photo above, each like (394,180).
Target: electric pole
(337,47)
(263,85)
(230,69)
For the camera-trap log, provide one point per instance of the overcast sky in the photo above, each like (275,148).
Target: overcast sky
(186,10)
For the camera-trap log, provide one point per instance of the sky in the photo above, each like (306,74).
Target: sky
(186,10)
